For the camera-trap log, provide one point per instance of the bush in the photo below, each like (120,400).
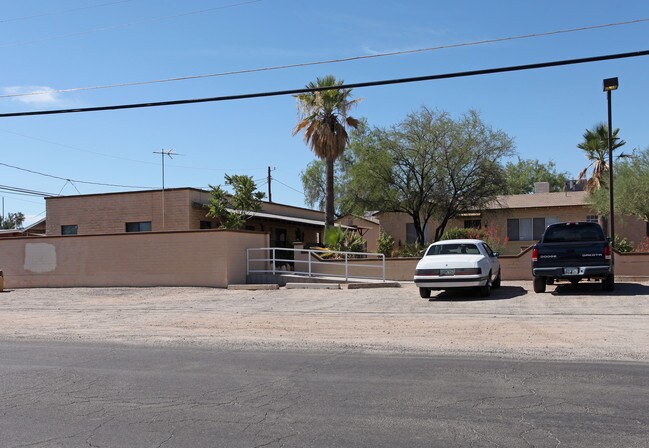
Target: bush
(489,235)
(385,244)
(643,246)
(340,240)
(410,250)
(622,245)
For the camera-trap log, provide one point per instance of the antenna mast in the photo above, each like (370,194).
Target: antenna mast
(163,153)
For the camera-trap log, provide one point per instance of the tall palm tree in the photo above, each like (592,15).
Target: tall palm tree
(595,145)
(323,117)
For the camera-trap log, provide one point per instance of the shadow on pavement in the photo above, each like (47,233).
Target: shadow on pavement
(621,289)
(472,295)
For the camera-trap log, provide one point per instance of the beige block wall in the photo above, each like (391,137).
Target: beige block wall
(519,267)
(212,258)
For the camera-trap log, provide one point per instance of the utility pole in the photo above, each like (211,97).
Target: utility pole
(163,153)
(270,194)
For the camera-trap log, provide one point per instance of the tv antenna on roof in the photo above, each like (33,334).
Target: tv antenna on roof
(163,153)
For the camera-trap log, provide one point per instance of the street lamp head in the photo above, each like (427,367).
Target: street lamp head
(610,84)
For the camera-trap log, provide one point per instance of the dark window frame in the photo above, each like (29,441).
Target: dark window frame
(138,226)
(66,229)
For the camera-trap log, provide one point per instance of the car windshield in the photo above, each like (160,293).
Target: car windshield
(573,232)
(454,248)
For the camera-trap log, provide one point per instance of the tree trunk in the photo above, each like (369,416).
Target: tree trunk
(440,229)
(329,203)
(421,238)
(603,222)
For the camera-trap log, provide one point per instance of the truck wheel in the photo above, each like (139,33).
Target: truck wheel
(608,284)
(539,284)
(424,293)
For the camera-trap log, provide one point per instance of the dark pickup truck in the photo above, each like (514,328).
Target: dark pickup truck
(572,251)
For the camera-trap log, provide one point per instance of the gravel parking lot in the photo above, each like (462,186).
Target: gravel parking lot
(567,322)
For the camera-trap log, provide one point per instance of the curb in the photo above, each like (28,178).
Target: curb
(312,286)
(253,287)
(373,285)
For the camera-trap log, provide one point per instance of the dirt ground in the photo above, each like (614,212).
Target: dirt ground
(567,322)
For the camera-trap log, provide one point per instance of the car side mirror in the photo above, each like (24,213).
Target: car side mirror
(496,254)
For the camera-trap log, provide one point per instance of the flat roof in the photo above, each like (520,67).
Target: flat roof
(540,200)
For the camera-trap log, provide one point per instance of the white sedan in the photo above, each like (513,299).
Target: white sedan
(458,264)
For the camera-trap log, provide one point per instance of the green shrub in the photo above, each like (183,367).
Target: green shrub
(410,250)
(489,235)
(385,244)
(622,245)
(341,240)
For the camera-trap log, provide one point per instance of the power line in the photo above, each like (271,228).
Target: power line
(75,148)
(126,25)
(329,61)
(54,13)
(72,181)
(288,186)
(25,191)
(385,82)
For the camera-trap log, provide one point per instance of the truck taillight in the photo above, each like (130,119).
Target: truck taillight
(607,251)
(535,254)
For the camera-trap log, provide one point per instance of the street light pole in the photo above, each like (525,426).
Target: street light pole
(610,84)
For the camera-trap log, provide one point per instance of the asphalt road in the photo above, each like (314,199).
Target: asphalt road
(88,395)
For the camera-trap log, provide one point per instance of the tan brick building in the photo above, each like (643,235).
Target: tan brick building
(520,218)
(174,209)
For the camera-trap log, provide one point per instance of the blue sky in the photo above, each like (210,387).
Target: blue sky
(59,45)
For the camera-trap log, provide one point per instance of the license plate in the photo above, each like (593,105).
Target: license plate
(571,271)
(443,272)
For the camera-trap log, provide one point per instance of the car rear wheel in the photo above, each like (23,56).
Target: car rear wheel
(485,291)
(424,293)
(608,284)
(496,283)
(539,284)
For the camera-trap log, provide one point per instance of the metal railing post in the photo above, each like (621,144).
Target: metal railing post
(383,261)
(309,258)
(273,260)
(346,268)
(247,262)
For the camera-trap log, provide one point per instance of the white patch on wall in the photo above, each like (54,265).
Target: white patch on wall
(40,257)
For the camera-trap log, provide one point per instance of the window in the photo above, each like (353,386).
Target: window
(472,223)
(411,233)
(488,249)
(143,226)
(69,229)
(206,225)
(249,227)
(528,229)
(453,248)
(591,218)
(574,232)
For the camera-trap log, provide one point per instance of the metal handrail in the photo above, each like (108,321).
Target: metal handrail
(310,272)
